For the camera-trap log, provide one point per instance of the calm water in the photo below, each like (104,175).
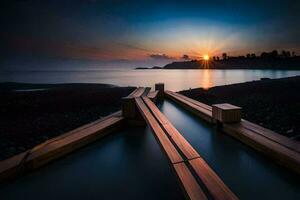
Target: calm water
(130,165)
(174,79)
(247,173)
(124,165)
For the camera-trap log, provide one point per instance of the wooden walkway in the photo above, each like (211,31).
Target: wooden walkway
(59,146)
(277,147)
(197,178)
(184,159)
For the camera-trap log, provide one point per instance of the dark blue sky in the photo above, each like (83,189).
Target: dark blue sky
(143,31)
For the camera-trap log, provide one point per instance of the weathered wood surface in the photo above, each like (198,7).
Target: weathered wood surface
(185,147)
(189,184)
(280,139)
(59,146)
(138,92)
(197,109)
(161,125)
(277,147)
(153,96)
(164,141)
(281,154)
(226,113)
(129,107)
(214,184)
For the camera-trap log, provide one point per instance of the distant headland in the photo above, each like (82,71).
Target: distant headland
(267,60)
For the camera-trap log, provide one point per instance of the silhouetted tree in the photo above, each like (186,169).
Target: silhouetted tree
(285,54)
(264,55)
(274,53)
(253,55)
(248,55)
(185,57)
(218,58)
(224,56)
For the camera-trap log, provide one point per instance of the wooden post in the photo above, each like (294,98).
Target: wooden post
(226,113)
(160,87)
(128,107)
(130,112)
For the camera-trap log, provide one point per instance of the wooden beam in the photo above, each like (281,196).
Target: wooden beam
(188,182)
(153,96)
(164,141)
(185,147)
(191,156)
(128,103)
(59,146)
(281,149)
(197,110)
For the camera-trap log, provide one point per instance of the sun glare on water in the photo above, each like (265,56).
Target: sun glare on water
(205,57)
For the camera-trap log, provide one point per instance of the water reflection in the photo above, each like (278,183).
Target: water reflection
(124,165)
(174,79)
(206,79)
(248,174)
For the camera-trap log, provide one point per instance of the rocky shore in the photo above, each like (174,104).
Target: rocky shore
(33,113)
(274,103)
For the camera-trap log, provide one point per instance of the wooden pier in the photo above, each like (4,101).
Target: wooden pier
(184,159)
(283,150)
(197,179)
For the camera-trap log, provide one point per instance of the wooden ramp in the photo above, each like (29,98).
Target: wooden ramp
(277,147)
(192,171)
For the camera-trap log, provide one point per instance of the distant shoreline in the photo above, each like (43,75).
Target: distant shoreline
(268,61)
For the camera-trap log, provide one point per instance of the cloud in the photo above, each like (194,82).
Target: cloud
(134,47)
(185,57)
(160,56)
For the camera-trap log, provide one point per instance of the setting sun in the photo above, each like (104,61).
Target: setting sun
(205,57)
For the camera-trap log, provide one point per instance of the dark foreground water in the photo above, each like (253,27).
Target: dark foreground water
(130,165)
(247,173)
(124,165)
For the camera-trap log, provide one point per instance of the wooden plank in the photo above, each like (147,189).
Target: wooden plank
(281,154)
(188,182)
(142,91)
(58,148)
(10,167)
(289,143)
(129,107)
(283,140)
(163,140)
(195,109)
(184,146)
(283,150)
(191,104)
(153,96)
(135,92)
(198,103)
(214,184)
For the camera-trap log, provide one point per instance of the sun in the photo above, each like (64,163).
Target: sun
(206,57)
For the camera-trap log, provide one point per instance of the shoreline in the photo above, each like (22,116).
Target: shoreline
(271,103)
(32,117)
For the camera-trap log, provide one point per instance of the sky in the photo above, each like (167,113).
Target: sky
(143,33)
